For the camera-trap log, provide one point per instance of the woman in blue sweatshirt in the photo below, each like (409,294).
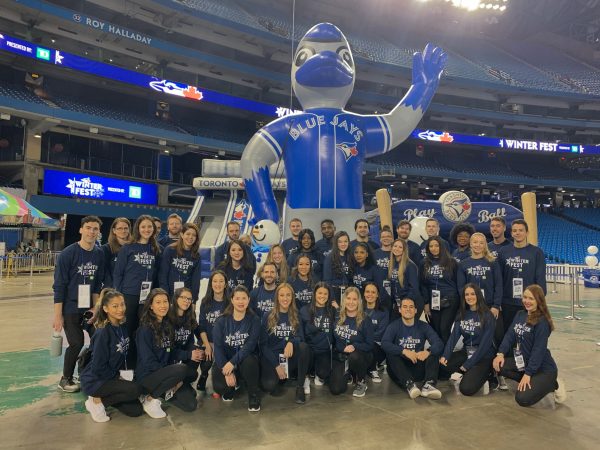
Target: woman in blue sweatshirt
(482,269)
(120,234)
(403,278)
(318,321)
(459,238)
(180,263)
(213,304)
(438,287)
(476,326)
(380,319)
(532,365)
(282,347)
(353,345)
(154,338)
(306,245)
(302,281)
(181,316)
(237,266)
(337,267)
(236,335)
(364,269)
(136,273)
(106,379)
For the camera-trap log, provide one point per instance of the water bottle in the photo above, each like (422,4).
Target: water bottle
(56,344)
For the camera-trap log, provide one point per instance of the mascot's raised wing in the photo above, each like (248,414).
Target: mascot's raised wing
(324,147)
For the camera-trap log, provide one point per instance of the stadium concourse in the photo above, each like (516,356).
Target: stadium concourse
(34,414)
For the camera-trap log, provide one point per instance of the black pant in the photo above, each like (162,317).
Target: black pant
(192,371)
(247,370)
(163,379)
(123,395)
(542,383)
(442,320)
(132,321)
(358,365)
(474,378)
(499,330)
(74,334)
(403,372)
(378,357)
(298,364)
(319,363)
(205,366)
(185,398)
(508,314)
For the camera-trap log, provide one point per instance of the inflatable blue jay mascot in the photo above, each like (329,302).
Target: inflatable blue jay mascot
(324,147)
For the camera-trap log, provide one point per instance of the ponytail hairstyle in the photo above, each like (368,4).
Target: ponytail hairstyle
(292,311)
(148,318)
(542,307)
(180,246)
(486,251)
(360,314)
(229,308)
(482,308)
(106,295)
(329,309)
(402,264)
(188,320)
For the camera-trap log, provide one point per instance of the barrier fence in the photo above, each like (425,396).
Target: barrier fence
(571,276)
(13,265)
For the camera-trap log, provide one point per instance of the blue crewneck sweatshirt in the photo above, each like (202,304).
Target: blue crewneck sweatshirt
(208,315)
(318,330)
(380,320)
(410,288)
(437,278)
(533,344)
(495,248)
(235,277)
(262,301)
(483,273)
(303,291)
(151,355)
(460,255)
(363,274)
(348,333)
(315,256)
(337,279)
(183,344)
(289,245)
(185,268)
(324,246)
(474,334)
(527,263)
(109,346)
(235,340)
(273,342)
(135,263)
(110,259)
(398,336)
(76,266)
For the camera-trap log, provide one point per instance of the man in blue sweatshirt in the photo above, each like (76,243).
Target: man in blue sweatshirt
(174,224)
(291,243)
(407,360)
(497,230)
(414,251)
(233,233)
(327,230)
(77,282)
(522,264)
(361,227)
(262,297)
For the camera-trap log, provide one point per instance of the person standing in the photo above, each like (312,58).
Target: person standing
(380,319)
(403,279)
(432,228)
(414,250)
(77,282)
(262,298)
(233,234)
(292,242)
(120,234)
(522,264)
(382,254)
(327,230)
(337,267)
(361,228)
(174,224)
(302,281)
(237,266)
(460,236)
(306,245)
(498,232)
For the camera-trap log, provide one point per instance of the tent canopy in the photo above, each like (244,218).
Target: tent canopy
(16,211)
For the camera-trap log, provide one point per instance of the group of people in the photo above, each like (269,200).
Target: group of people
(334,311)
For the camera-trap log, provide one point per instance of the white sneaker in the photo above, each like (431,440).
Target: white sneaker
(307,386)
(430,391)
(456,377)
(413,391)
(560,394)
(375,376)
(319,381)
(153,409)
(485,389)
(502,384)
(96,410)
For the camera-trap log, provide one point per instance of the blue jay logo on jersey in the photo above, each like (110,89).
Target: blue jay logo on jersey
(348,149)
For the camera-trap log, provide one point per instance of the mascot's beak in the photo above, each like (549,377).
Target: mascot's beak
(325,69)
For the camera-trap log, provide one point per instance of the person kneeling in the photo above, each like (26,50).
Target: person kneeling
(106,379)
(236,335)
(476,325)
(282,346)
(154,339)
(407,360)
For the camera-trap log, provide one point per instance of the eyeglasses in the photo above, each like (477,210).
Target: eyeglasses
(187,299)
(122,229)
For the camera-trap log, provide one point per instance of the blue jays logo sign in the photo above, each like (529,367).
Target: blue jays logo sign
(348,149)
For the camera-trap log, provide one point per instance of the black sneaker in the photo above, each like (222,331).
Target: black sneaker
(68,385)
(201,386)
(227,396)
(253,403)
(300,395)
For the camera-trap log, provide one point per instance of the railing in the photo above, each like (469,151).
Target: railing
(13,265)
(571,275)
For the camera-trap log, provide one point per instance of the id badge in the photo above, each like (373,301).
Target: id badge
(387,286)
(127,375)
(436,299)
(517,284)
(146,288)
(283,361)
(178,285)
(471,349)
(519,360)
(84,296)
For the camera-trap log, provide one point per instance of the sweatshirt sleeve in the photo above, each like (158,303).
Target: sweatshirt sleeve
(309,327)
(387,342)
(452,340)
(487,341)
(265,351)
(540,346)
(219,342)
(461,278)
(412,278)
(327,272)
(382,324)
(145,347)
(249,279)
(120,266)
(163,271)
(299,335)
(423,285)
(497,276)
(184,353)
(367,336)
(99,278)
(509,338)
(202,322)
(61,277)
(107,281)
(436,345)
(251,343)
(101,354)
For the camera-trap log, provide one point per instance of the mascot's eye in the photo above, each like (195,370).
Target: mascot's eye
(302,55)
(346,56)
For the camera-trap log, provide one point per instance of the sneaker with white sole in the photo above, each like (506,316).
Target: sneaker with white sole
(456,377)
(153,408)
(254,403)
(96,410)
(560,394)
(307,386)
(375,376)
(319,381)
(68,385)
(430,391)
(227,396)
(360,389)
(485,389)
(413,390)
(502,383)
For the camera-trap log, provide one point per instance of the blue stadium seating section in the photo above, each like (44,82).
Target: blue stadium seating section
(590,216)
(564,241)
